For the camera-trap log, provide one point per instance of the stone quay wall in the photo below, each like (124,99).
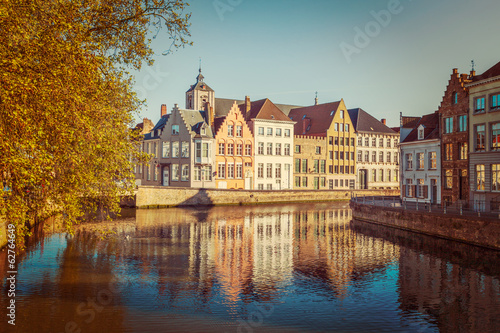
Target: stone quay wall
(481,231)
(161,197)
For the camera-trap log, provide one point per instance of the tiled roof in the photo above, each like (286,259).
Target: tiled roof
(194,121)
(265,110)
(317,118)
(223,105)
(492,72)
(364,122)
(431,128)
(200,85)
(218,123)
(410,122)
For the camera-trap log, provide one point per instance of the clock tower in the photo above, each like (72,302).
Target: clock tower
(199,95)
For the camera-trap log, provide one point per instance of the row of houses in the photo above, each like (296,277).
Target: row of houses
(452,156)
(244,144)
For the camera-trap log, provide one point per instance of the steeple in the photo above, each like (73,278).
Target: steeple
(200,77)
(316,99)
(200,94)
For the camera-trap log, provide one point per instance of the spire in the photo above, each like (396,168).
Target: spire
(200,77)
(316,99)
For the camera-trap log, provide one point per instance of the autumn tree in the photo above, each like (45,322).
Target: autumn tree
(67,102)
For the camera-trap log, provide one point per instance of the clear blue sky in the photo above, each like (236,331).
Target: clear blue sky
(286,50)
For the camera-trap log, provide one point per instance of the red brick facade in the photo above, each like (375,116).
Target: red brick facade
(454,139)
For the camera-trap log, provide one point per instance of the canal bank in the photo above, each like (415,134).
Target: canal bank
(163,197)
(480,231)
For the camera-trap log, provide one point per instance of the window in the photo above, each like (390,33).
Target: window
(360,141)
(381,142)
(374,142)
(341,141)
(222,149)
(175,129)
(206,151)
(278,149)
(316,166)
(346,128)
(261,130)
(323,182)
(374,175)
(463,150)
(197,173)
(269,148)
(388,157)
(269,131)
(420,133)
(175,172)
(367,142)
(336,140)
(260,170)
(495,102)
(495,136)
(278,132)
(239,149)
(230,170)
(381,157)
(360,156)
(269,169)
(352,169)
(230,130)
(389,143)
(175,149)
(221,172)
(287,133)
(432,160)
(341,155)
(316,183)
(374,157)
(336,155)
(480,177)
(155,149)
(479,104)
(239,131)
(185,149)
(322,166)
(318,150)
(336,127)
(336,169)
(287,149)
(248,149)
(230,148)
(367,156)
(297,149)
(352,155)
(420,184)
(448,151)
(448,179)
(409,161)
(381,175)
(480,137)
(341,169)
(261,186)
(278,171)
(269,187)
(297,181)
(352,142)
(495,177)
(260,148)
(166,149)
(341,114)
(462,123)
(304,181)
(388,175)
(304,166)
(185,173)
(297,165)
(239,170)
(409,188)
(448,125)
(454,98)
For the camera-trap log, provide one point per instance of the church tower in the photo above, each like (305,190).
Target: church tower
(200,95)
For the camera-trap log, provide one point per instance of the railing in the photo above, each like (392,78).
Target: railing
(460,207)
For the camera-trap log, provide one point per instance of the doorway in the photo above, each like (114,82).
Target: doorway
(166,176)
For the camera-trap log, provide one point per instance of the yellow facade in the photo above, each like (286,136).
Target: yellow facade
(234,152)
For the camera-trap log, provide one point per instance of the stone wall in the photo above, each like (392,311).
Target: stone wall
(473,230)
(157,196)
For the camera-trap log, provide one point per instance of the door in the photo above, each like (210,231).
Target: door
(166,176)
(433,191)
(463,184)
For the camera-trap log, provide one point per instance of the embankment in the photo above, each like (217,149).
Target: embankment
(472,230)
(160,197)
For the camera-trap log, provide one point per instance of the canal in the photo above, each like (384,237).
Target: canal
(276,268)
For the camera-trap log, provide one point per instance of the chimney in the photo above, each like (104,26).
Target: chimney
(472,74)
(383,121)
(455,70)
(248,106)
(163,110)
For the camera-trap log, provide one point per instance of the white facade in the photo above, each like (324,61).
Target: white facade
(420,169)
(377,161)
(273,154)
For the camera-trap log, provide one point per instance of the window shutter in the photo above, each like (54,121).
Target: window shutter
(426,191)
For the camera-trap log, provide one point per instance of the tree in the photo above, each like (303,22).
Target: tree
(67,104)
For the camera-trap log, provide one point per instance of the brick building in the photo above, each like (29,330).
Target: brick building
(455,137)
(310,156)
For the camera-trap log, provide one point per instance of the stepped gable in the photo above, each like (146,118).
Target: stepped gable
(364,122)
(431,128)
(318,118)
(194,121)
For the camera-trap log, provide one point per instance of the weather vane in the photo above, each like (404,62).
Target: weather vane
(473,65)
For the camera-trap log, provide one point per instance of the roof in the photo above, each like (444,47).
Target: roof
(200,85)
(194,121)
(318,118)
(364,122)
(431,128)
(409,122)
(223,105)
(264,109)
(492,72)
(218,123)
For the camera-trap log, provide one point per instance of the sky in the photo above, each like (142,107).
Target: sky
(385,56)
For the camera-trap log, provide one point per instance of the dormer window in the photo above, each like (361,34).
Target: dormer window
(420,133)
(203,131)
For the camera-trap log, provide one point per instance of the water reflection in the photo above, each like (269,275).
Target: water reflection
(286,268)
